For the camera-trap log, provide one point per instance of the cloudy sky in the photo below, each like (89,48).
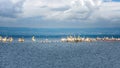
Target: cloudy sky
(60,13)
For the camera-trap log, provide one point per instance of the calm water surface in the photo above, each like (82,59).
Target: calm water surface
(30,54)
(60,55)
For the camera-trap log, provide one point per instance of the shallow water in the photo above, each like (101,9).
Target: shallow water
(60,55)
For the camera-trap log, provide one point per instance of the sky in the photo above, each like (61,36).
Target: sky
(60,13)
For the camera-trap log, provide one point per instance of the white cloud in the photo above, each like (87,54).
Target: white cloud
(40,7)
(69,10)
(108,11)
(79,9)
(76,8)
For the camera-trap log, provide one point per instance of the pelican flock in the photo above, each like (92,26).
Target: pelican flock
(67,39)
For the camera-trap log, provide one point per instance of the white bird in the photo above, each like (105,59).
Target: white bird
(63,39)
(4,39)
(10,39)
(33,39)
(21,40)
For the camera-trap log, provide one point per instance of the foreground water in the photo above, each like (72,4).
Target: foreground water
(98,54)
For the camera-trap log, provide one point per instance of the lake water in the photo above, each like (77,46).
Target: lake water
(59,32)
(60,55)
(99,54)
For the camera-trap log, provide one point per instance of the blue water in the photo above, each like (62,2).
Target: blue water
(60,55)
(60,32)
(99,54)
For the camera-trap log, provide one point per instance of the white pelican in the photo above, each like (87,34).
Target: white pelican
(88,40)
(4,39)
(33,39)
(63,39)
(21,40)
(10,39)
